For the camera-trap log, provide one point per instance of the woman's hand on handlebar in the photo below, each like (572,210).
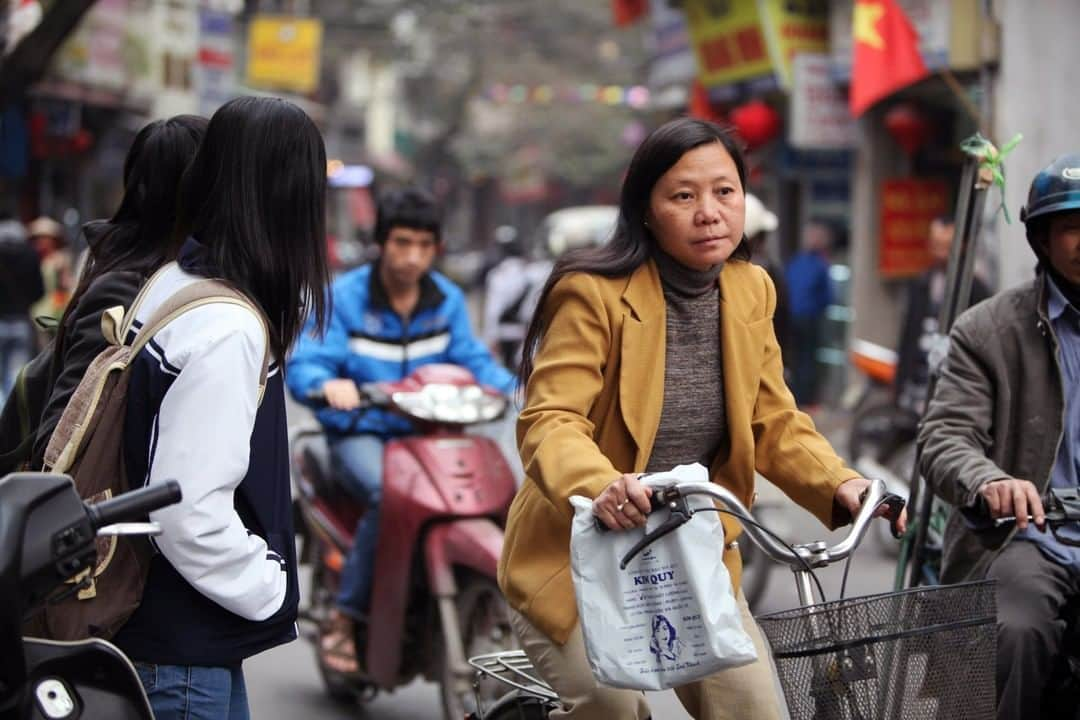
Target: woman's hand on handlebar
(849,496)
(341,394)
(624,504)
(1009,497)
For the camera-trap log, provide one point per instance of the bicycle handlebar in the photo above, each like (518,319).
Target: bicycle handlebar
(814,555)
(1061,506)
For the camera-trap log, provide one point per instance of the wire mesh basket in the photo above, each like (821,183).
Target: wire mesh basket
(916,654)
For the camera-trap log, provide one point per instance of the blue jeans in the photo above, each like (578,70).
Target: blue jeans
(180,692)
(358,464)
(16,348)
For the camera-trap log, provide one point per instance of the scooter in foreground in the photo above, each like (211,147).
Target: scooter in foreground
(47,535)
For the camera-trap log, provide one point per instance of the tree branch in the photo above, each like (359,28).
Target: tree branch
(27,63)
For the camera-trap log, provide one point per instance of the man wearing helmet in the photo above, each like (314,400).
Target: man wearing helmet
(1002,427)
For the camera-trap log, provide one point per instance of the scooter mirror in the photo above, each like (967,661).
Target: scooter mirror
(130,528)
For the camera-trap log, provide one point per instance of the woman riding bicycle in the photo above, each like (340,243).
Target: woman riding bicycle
(653,350)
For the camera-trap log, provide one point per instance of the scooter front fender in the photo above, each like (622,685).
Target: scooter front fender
(475,543)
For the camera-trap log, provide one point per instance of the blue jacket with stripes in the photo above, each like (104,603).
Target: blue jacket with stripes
(366,341)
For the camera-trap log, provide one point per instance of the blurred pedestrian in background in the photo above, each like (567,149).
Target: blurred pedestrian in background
(760,221)
(810,293)
(20,288)
(48,239)
(505,290)
(925,293)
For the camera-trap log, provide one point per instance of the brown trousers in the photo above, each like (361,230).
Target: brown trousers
(743,693)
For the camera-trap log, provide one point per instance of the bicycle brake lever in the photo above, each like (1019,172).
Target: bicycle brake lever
(680,515)
(896,505)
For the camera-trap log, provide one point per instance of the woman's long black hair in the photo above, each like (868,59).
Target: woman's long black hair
(632,243)
(139,236)
(255,197)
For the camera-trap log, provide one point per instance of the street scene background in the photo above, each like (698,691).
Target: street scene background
(519,117)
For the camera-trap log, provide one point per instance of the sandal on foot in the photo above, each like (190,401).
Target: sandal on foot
(337,647)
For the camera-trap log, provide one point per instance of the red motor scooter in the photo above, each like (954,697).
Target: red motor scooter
(435,601)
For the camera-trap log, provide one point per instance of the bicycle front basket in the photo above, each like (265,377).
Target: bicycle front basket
(916,654)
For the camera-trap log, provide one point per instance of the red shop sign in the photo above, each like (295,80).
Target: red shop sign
(907,208)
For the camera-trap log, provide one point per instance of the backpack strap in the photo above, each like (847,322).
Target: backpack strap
(133,308)
(197,294)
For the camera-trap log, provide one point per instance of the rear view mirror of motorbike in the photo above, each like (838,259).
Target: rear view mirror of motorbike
(57,539)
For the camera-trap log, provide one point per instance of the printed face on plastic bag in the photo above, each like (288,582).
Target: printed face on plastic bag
(670,617)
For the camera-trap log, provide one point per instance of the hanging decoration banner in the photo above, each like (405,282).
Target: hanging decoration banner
(728,41)
(907,207)
(794,27)
(636,96)
(283,53)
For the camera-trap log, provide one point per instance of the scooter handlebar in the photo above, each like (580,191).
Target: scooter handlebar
(317,398)
(133,505)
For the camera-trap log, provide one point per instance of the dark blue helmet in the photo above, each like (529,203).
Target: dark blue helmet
(1055,189)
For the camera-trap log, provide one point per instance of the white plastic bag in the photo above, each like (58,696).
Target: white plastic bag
(670,617)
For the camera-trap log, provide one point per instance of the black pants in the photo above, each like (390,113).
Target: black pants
(806,331)
(1034,598)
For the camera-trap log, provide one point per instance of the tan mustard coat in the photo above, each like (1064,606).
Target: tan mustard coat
(593,406)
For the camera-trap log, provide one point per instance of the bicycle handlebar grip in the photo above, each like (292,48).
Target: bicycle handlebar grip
(656,502)
(134,505)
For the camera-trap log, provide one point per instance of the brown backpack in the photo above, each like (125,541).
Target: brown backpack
(88,445)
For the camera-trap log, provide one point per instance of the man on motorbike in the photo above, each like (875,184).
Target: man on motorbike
(1002,427)
(389,317)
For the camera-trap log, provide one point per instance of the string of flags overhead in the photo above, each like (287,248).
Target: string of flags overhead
(635,96)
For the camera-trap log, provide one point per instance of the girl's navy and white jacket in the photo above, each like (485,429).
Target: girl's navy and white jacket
(223,586)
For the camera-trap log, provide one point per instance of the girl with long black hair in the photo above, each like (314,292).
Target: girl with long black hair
(122,253)
(223,586)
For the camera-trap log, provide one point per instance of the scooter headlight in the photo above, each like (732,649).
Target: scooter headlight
(458,405)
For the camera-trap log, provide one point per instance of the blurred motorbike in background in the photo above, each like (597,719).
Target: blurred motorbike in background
(435,600)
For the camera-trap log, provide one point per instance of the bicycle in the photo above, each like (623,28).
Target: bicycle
(877,656)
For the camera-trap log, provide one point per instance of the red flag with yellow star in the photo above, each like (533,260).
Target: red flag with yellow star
(628,12)
(886,53)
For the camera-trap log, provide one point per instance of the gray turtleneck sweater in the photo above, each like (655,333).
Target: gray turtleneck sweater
(693,422)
